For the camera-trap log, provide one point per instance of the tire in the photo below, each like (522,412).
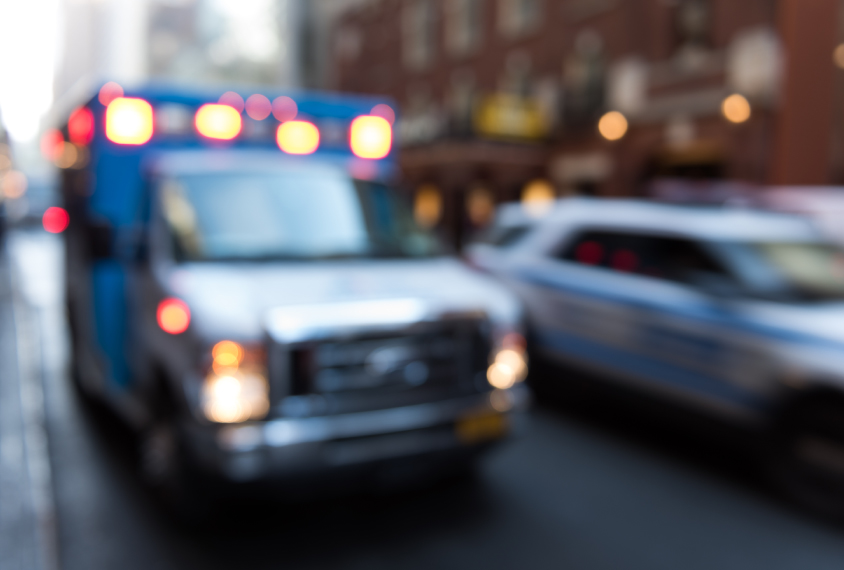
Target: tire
(168,469)
(807,462)
(166,463)
(77,375)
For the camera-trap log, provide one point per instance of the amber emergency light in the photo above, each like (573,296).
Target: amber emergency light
(371,137)
(129,121)
(221,122)
(298,137)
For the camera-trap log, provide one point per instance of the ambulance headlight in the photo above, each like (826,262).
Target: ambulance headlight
(509,362)
(235,389)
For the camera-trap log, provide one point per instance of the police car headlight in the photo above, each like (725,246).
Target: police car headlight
(236,388)
(509,362)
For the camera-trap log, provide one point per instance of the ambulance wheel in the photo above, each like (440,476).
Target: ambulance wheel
(808,456)
(166,464)
(168,470)
(80,381)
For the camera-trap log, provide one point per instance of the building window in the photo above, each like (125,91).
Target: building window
(347,44)
(464,26)
(419,33)
(584,73)
(518,17)
(461,101)
(693,20)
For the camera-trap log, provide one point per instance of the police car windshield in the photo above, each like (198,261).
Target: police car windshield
(792,271)
(296,214)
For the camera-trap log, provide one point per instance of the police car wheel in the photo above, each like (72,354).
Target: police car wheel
(809,457)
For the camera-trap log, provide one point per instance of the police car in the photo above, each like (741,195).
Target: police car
(732,311)
(251,294)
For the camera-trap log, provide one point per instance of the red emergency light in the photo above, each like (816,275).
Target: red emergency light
(55,220)
(80,126)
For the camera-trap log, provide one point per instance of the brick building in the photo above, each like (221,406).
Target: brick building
(499,98)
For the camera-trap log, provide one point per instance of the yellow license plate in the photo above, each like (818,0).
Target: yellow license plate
(477,429)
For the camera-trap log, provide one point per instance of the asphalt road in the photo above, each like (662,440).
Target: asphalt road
(585,485)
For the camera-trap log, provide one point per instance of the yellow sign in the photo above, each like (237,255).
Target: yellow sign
(509,116)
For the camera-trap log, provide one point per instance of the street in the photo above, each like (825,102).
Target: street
(572,490)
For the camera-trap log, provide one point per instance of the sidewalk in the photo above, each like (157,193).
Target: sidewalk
(27,521)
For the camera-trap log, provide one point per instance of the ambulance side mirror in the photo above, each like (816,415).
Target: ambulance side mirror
(100,237)
(131,244)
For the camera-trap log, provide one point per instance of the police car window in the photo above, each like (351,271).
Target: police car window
(661,257)
(307,213)
(502,236)
(790,272)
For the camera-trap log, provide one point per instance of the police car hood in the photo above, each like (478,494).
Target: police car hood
(235,300)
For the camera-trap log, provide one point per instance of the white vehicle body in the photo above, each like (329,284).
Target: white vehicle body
(743,355)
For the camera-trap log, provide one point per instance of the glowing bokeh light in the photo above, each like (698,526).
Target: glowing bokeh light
(235,397)
(173,316)
(285,109)
(385,112)
(13,184)
(538,197)
(51,144)
(68,156)
(428,206)
(80,126)
(371,137)
(129,121)
(500,376)
(838,56)
(480,205)
(508,368)
(55,220)
(613,126)
(223,401)
(221,122)
(233,100)
(258,107)
(227,354)
(736,108)
(109,92)
(298,137)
